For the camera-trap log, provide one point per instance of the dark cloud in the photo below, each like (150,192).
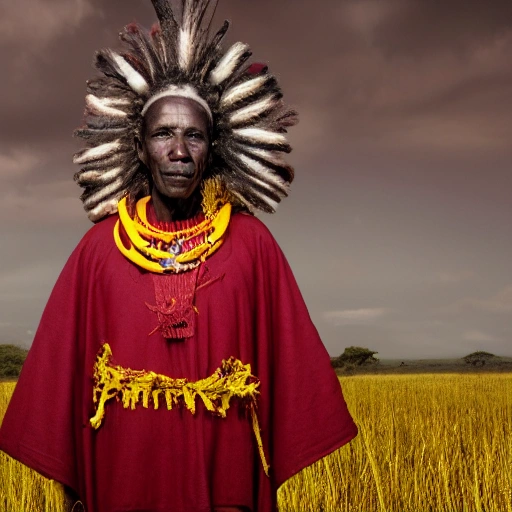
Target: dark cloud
(401,201)
(418,28)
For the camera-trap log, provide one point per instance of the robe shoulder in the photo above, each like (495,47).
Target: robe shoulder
(97,242)
(255,242)
(252,233)
(40,427)
(308,416)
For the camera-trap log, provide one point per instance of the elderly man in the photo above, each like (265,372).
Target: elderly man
(175,366)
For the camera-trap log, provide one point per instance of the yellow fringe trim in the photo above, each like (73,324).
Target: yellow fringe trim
(232,380)
(215,195)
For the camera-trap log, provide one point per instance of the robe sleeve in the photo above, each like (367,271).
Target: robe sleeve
(309,416)
(39,428)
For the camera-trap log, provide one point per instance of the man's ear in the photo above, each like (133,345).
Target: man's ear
(140,150)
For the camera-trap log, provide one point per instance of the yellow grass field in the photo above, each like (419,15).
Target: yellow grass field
(427,443)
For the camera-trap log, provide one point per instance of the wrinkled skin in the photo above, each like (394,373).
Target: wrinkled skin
(175,146)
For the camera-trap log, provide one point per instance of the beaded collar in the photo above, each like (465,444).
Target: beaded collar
(167,252)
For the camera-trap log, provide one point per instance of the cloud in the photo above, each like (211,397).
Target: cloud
(17,162)
(27,281)
(362,316)
(421,27)
(442,133)
(365,16)
(452,277)
(42,204)
(36,23)
(442,102)
(501,302)
(479,336)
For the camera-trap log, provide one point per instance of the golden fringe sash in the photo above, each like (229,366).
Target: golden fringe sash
(232,380)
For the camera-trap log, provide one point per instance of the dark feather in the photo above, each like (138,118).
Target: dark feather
(110,162)
(106,64)
(134,36)
(284,171)
(102,136)
(96,122)
(103,87)
(168,26)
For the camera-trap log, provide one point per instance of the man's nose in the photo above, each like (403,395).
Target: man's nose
(178,148)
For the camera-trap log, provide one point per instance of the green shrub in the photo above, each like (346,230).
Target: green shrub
(479,358)
(11,360)
(356,356)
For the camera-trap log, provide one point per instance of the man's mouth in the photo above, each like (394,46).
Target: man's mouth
(179,170)
(176,174)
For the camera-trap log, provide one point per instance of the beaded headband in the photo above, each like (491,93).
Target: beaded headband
(186,91)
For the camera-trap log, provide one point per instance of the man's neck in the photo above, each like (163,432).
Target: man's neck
(168,209)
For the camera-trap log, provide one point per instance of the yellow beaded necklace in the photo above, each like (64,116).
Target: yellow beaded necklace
(175,251)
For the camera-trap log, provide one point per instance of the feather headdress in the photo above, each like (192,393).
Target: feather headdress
(179,57)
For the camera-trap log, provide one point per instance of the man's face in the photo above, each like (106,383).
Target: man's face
(175,145)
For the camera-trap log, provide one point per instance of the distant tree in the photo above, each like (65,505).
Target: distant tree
(11,360)
(479,358)
(354,356)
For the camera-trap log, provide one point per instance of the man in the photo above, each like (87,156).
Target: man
(175,366)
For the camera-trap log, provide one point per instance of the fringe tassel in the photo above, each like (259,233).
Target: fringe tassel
(232,380)
(257,433)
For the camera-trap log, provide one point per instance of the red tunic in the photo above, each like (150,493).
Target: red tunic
(147,460)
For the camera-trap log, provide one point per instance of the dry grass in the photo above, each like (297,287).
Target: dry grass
(427,443)
(21,489)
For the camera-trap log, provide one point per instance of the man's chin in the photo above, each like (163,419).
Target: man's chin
(178,193)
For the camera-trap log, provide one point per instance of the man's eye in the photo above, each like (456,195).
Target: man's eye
(160,134)
(196,135)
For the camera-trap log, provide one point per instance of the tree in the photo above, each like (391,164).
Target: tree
(355,356)
(478,358)
(11,360)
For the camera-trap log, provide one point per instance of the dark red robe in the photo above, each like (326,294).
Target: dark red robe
(147,460)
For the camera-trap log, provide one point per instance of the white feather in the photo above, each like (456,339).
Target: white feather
(252,110)
(133,77)
(228,64)
(273,204)
(185,49)
(260,135)
(249,206)
(100,106)
(103,192)
(243,90)
(273,157)
(101,176)
(115,102)
(104,208)
(269,179)
(242,200)
(97,152)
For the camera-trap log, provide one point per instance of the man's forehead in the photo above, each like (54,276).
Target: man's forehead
(176,111)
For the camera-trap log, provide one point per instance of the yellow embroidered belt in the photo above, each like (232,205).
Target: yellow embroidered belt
(232,380)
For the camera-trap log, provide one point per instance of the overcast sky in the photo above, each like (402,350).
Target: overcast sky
(398,226)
